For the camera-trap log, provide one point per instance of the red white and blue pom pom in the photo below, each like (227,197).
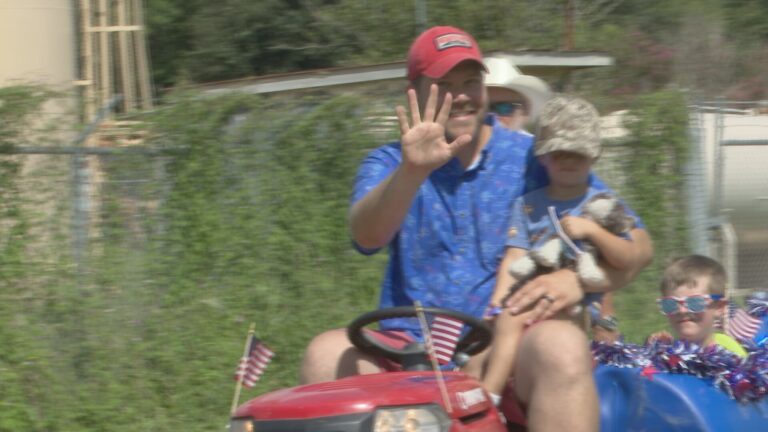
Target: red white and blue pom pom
(757,304)
(742,379)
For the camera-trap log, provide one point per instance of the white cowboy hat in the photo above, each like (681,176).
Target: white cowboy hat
(503,73)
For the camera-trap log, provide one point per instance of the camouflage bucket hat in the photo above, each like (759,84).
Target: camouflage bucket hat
(568,123)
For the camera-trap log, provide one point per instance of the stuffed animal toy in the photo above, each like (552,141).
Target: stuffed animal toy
(603,208)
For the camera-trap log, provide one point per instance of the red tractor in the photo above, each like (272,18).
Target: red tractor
(411,400)
(421,400)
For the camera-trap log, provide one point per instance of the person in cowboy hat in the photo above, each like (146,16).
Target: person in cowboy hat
(516,99)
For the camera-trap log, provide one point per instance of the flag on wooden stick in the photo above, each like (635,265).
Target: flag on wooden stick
(445,332)
(252,365)
(430,348)
(742,325)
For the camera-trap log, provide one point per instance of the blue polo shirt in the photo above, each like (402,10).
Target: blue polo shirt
(452,240)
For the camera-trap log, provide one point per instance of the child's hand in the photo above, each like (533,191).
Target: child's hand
(578,228)
(601,334)
(496,305)
(660,336)
(491,312)
(494,308)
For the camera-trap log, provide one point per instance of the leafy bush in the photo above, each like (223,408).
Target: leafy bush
(239,216)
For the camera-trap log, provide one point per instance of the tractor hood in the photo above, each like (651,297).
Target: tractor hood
(365,393)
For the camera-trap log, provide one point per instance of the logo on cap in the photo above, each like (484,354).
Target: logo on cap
(452,40)
(431,54)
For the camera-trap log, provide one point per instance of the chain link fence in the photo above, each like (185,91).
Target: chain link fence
(725,196)
(90,264)
(728,203)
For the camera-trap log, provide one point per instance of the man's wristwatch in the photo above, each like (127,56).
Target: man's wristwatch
(608,322)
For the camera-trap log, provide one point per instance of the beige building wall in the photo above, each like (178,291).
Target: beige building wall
(37,42)
(38,46)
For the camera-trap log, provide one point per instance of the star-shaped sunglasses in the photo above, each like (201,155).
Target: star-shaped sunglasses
(694,304)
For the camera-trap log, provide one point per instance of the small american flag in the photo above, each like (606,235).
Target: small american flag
(741,325)
(252,366)
(445,333)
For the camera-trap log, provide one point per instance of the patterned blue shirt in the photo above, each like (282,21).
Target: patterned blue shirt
(453,237)
(530,226)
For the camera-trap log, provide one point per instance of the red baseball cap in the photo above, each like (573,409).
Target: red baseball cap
(439,49)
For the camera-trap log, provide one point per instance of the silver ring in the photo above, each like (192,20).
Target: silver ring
(548,298)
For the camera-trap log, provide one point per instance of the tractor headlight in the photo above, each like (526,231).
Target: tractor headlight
(241,425)
(429,418)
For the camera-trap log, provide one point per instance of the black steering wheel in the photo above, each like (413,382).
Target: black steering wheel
(414,356)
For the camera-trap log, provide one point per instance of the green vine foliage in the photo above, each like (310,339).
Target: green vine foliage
(243,219)
(251,228)
(22,359)
(657,151)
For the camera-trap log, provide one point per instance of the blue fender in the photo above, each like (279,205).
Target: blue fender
(761,336)
(660,402)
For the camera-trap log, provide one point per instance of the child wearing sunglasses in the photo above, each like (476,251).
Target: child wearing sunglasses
(693,299)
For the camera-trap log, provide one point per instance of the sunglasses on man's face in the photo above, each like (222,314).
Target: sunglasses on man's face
(694,303)
(505,108)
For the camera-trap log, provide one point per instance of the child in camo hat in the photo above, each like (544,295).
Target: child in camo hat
(567,144)
(569,124)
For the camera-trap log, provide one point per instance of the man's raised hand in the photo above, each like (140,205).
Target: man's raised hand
(423,140)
